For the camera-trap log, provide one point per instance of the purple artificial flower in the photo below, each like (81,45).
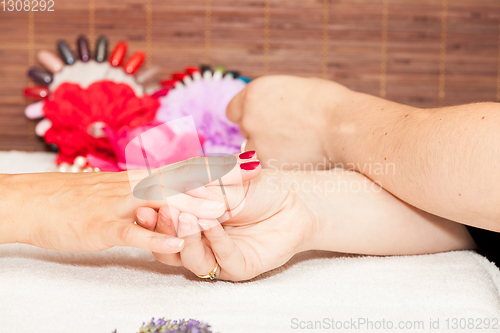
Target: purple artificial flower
(206,101)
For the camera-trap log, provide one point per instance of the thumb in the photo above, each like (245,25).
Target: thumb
(234,109)
(118,233)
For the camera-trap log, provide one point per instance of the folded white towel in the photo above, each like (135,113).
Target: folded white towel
(49,291)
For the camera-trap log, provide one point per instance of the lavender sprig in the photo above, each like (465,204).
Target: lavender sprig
(175,326)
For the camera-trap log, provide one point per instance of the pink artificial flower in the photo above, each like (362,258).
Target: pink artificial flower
(158,146)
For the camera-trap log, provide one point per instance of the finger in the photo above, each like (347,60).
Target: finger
(128,234)
(227,253)
(183,202)
(146,217)
(250,144)
(195,256)
(173,259)
(168,218)
(234,109)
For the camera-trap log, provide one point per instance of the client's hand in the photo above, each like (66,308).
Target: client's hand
(94,211)
(283,117)
(269,227)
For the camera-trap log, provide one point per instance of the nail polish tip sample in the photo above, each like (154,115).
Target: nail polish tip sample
(118,54)
(134,62)
(101,49)
(36,92)
(233,74)
(66,53)
(247,154)
(83,48)
(205,68)
(249,166)
(50,61)
(40,76)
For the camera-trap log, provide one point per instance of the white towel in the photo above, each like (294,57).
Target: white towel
(49,291)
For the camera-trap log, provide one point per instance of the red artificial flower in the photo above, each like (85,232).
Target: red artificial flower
(72,109)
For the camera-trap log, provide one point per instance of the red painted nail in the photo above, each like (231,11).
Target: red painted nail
(118,54)
(249,166)
(246,155)
(36,92)
(134,62)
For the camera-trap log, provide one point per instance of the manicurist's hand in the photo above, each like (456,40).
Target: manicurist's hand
(96,211)
(283,117)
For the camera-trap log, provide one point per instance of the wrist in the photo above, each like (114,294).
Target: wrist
(315,207)
(360,124)
(9,202)
(339,105)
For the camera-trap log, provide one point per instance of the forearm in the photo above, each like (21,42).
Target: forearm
(444,161)
(354,215)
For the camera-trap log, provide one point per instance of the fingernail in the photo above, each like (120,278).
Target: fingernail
(185,223)
(166,219)
(249,166)
(175,242)
(247,155)
(213,205)
(203,225)
(140,219)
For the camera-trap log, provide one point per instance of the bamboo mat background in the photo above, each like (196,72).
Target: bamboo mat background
(420,52)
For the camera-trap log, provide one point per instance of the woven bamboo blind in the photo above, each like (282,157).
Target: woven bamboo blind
(420,52)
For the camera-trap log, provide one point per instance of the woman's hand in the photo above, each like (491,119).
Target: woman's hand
(96,211)
(271,226)
(283,117)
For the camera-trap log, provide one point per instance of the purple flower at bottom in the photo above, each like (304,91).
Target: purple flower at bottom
(175,326)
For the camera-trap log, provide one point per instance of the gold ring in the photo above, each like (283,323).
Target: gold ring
(212,275)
